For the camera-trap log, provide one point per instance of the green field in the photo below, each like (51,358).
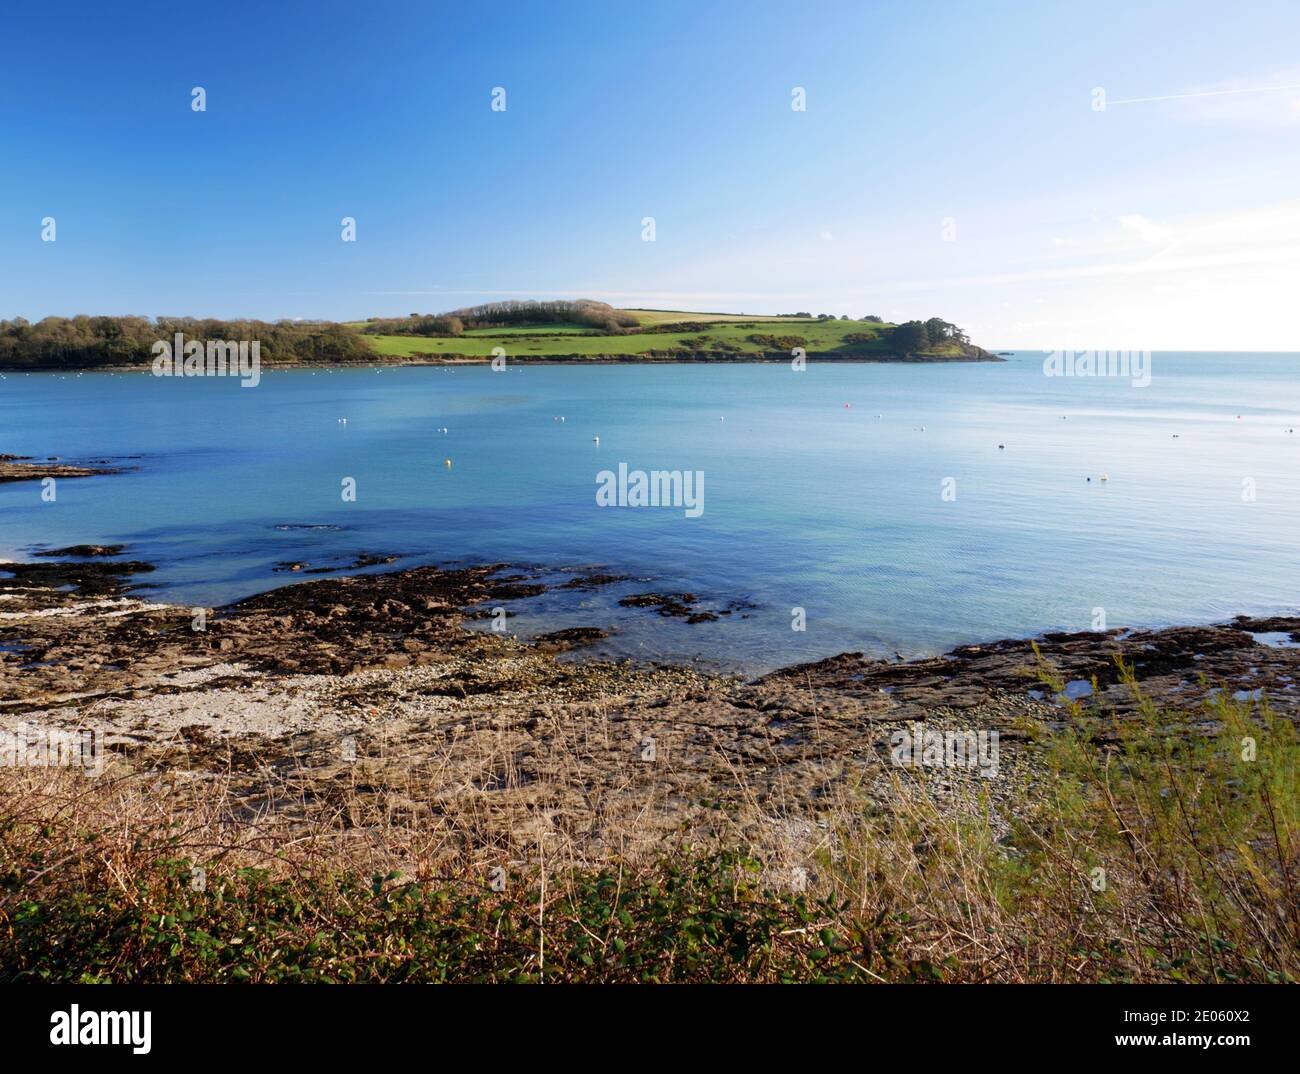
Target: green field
(725,334)
(651,317)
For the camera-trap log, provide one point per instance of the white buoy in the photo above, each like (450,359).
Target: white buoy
(1105,477)
(595,439)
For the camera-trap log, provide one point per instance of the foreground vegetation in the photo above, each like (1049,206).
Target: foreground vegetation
(1155,852)
(524,330)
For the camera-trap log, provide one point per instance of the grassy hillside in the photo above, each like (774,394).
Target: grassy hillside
(653,317)
(667,335)
(550,330)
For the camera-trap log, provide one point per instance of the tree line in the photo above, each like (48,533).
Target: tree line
(914,337)
(85,342)
(598,316)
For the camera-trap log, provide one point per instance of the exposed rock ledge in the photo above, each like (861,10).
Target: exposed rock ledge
(375,681)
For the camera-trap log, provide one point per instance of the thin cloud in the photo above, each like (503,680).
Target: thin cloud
(1253,101)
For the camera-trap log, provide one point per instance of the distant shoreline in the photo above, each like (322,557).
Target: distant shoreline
(558,332)
(560,359)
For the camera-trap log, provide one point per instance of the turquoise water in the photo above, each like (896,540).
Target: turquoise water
(807,502)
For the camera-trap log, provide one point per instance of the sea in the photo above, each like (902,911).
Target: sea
(893,509)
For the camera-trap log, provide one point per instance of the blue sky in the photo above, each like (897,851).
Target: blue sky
(1153,224)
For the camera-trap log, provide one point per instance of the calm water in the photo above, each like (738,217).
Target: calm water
(808,502)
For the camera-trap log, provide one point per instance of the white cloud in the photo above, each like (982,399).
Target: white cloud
(1143,228)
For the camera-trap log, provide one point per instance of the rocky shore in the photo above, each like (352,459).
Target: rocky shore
(25,468)
(374,688)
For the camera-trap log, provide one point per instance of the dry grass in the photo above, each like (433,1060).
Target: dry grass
(1151,852)
(1154,853)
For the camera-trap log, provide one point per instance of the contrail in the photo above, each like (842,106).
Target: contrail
(1208,93)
